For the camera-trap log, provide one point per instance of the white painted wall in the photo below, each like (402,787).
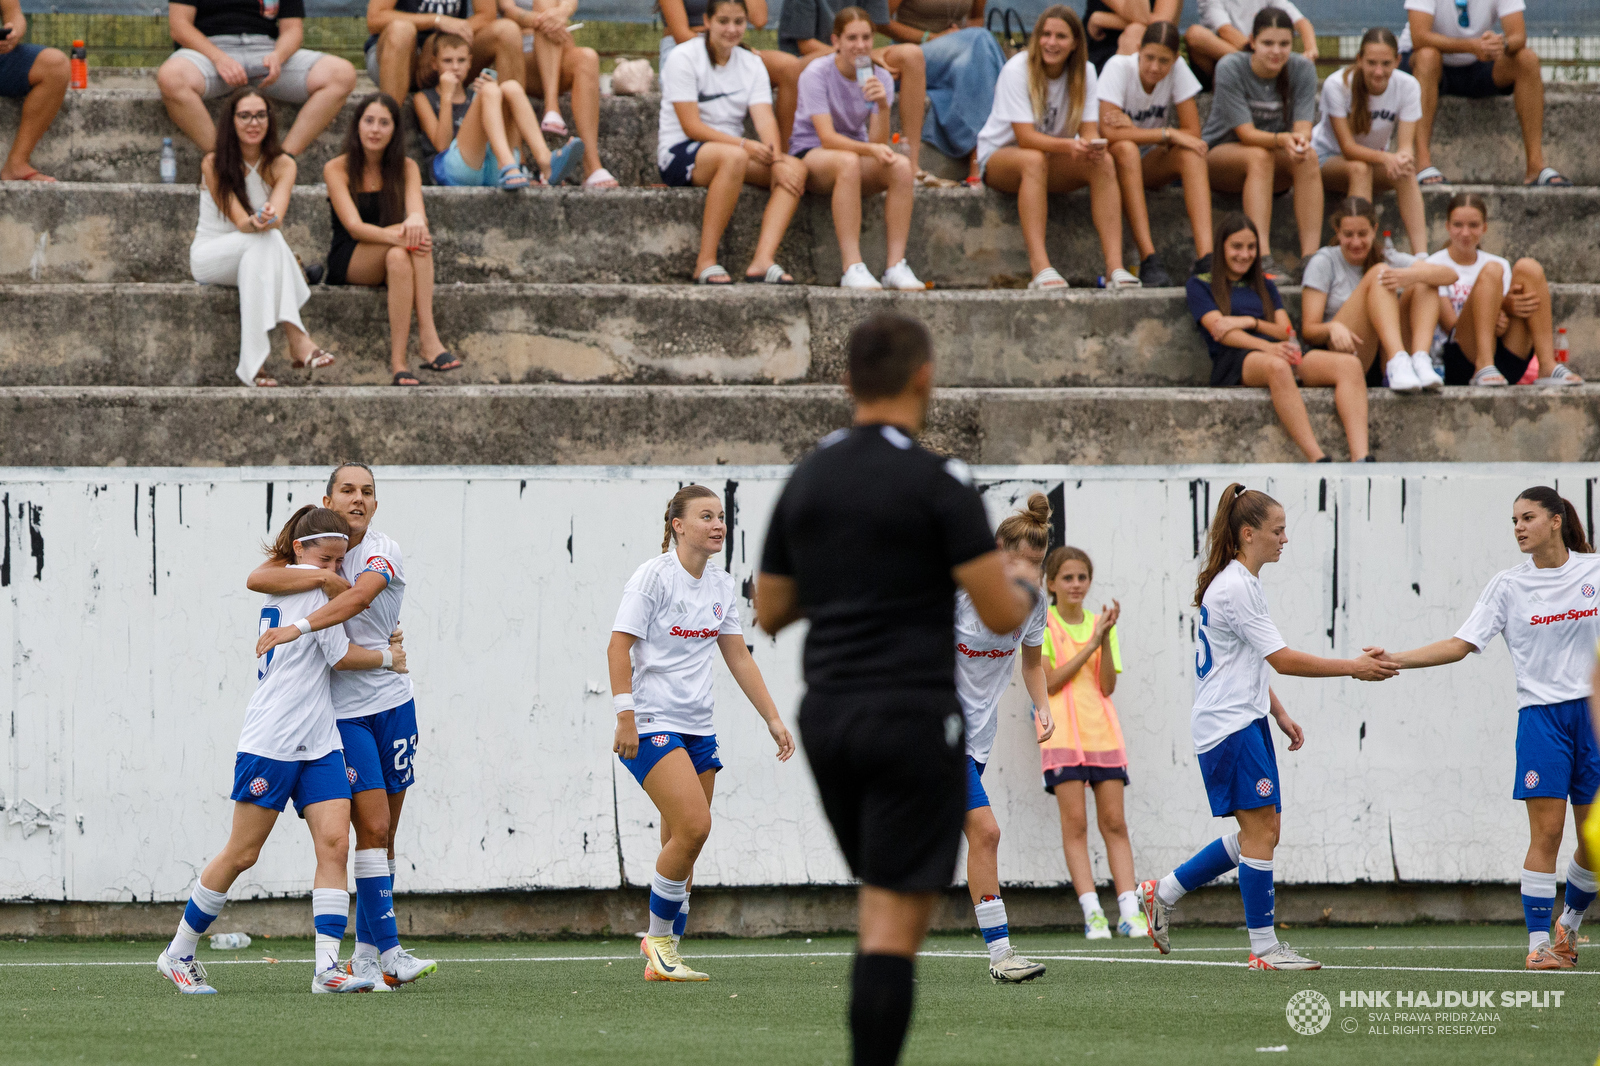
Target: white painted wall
(129,633)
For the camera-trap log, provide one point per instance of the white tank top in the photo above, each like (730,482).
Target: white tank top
(213,221)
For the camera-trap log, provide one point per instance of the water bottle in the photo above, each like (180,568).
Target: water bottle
(230,941)
(1561,345)
(1393,256)
(80,65)
(1294,346)
(169,162)
(863,70)
(1388,244)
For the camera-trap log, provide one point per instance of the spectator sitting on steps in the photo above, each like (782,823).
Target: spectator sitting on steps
(401,27)
(227,44)
(38,77)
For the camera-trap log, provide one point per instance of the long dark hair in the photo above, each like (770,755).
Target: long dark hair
(1358,207)
(391,165)
(1227,226)
(1468,199)
(303,523)
(1558,507)
(1360,108)
(1163,33)
(1275,18)
(227,158)
(1240,507)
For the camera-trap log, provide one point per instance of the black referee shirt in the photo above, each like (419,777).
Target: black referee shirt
(869,527)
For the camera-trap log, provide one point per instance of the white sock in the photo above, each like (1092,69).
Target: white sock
(1536,939)
(386,960)
(1090,902)
(330,907)
(1127,904)
(1170,890)
(1583,879)
(187,939)
(366,951)
(327,952)
(991,914)
(391,874)
(672,892)
(1262,940)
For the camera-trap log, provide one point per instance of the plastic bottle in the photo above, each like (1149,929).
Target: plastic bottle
(1561,345)
(80,65)
(1294,345)
(1393,255)
(1388,244)
(230,941)
(169,162)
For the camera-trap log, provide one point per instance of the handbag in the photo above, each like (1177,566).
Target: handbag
(1012,35)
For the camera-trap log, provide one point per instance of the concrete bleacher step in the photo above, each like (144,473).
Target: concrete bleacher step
(188,335)
(114,134)
(961,238)
(666,424)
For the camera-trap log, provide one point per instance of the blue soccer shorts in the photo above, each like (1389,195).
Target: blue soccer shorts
(274,782)
(976,796)
(380,748)
(1241,773)
(1557,755)
(653,747)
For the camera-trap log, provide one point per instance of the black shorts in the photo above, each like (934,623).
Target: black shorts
(1474,81)
(891,769)
(1458,369)
(1061,775)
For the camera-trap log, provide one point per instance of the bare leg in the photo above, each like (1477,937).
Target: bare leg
(428,343)
(784,71)
(485,127)
(839,173)
(386,264)
(1349,176)
(898,182)
(1475,327)
(1114,831)
(330,81)
(983,853)
(181,84)
(1262,370)
(1070,799)
(1528,96)
(1420,306)
(1529,276)
(1547,821)
(1130,179)
(329,822)
(907,64)
(1307,179)
(47,87)
(369,813)
(523,118)
(1427,66)
(679,795)
(1349,381)
(1258,832)
(547,61)
(1023,172)
(719,169)
(397,55)
(1250,171)
(781,205)
(498,45)
(580,73)
(251,826)
(1205,47)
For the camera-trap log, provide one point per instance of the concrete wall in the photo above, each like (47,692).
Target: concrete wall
(130,628)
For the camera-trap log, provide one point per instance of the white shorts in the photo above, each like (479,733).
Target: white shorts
(249,50)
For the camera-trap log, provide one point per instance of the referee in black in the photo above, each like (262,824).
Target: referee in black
(869,541)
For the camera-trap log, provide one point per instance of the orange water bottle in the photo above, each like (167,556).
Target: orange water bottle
(80,65)
(1561,345)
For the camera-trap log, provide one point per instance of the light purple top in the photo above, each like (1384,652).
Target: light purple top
(824,91)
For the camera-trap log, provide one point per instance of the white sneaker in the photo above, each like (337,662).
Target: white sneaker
(1133,925)
(1427,376)
(1014,969)
(858,277)
(188,974)
(1155,913)
(336,979)
(368,968)
(1095,927)
(405,967)
(901,278)
(1282,957)
(1402,376)
(1123,279)
(1561,375)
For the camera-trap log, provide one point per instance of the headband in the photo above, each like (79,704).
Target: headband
(314,536)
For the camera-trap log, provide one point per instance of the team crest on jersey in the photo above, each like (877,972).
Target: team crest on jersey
(659,740)
(377,564)
(350,772)
(1588,592)
(716,609)
(258,787)
(1530,779)
(1264,787)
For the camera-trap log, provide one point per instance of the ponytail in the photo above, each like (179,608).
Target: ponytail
(678,505)
(1240,507)
(308,521)
(1030,526)
(1572,534)
(1275,18)
(1360,108)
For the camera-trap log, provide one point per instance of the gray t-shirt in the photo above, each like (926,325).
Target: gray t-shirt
(803,20)
(1242,97)
(1329,271)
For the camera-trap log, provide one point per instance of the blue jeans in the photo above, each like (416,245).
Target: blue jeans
(962,70)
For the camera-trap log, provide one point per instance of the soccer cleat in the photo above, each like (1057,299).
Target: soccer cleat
(405,968)
(1564,945)
(1095,927)
(662,955)
(368,968)
(1282,957)
(1546,958)
(338,979)
(1155,916)
(188,974)
(1133,925)
(1014,969)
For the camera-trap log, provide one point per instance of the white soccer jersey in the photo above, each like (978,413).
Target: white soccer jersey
(1550,619)
(290,716)
(677,620)
(984,660)
(1232,642)
(357,693)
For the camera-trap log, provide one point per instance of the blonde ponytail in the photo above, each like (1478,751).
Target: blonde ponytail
(1029,526)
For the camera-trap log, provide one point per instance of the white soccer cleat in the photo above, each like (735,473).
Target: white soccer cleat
(405,967)
(1402,374)
(859,277)
(188,974)
(663,959)
(1282,957)
(1133,925)
(1014,969)
(1155,916)
(1095,927)
(368,968)
(1427,376)
(901,278)
(337,979)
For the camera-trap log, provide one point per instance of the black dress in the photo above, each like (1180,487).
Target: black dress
(1106,47)
(344,245)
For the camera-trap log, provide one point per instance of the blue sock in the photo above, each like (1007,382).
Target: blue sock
(681,922)
(1582,887)
(1209,863)
(375,899)
(363,930)
(666,903)
(1538,904)
(1255,886)
(202,909)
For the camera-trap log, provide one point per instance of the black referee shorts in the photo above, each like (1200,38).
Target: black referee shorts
(891,770)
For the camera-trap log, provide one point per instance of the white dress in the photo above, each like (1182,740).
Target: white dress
(271,286)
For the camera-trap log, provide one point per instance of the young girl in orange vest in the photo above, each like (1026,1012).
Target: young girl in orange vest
(1082,661)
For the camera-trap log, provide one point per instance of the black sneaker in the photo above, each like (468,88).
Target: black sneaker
(1153,274)
(1273,269)
(1202,265)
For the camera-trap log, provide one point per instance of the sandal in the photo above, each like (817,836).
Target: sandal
(264,382)
(715,274)
(600,179)
(933,181)
(1550,176)
(33,175)
(775,275)
(1430,176)
(514,178)
(1049,278)
(316,361)
(562,159)
(553,123)
(1489,376)
(404,377)
(442,362)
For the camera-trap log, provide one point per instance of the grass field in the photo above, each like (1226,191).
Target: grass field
(777,1002)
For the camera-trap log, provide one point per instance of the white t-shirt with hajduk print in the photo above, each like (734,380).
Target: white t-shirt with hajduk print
(677,620)
(1119,84)
(1232,641)
(1550,619)
(1401,101)
(984,664)
(1013,104)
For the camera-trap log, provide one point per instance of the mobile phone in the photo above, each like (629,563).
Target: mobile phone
(5,31)
(489,72)
(1099,142)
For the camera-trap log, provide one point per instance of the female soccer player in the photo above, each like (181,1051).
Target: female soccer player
(1546,609)
(289,749)
(1236,643)
(984,661)
(376,714)
(1082,661)
(675,609)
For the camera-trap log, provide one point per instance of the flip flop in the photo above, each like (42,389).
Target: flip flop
(513,178)
(1430,176)
(317,361)
(264,382)
(404,377)
(553,123)
(600,179)
(1550,176)
(33,175)
(1049,279)
(442,362)
(561,161)
(775,275)
(715,274)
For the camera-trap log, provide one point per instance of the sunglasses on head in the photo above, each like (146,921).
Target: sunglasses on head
(1461,14)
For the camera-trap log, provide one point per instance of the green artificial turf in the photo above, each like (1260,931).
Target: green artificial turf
(782,1001)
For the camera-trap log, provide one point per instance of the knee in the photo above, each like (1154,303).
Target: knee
(398,34)
(1426,61)
(1526,267)
(173,76)
(1033,163)
(1194,35)
(908,58)
(397,262)
(1125,153)
(586,63)
(492,91)
(790,170)
(52,67)
(1279,374)
(334,845)
(985,838)
(341,74)
(506,32)
(1260,161)
(1112,825)
(1527,62)
(1359,170)
(1491,272)
(900,172)
(695,832)
(246,858)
